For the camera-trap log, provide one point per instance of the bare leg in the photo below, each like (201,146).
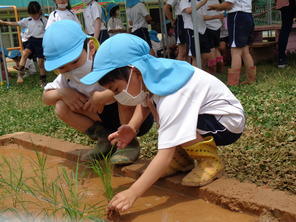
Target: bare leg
(247,58)
(193,61)
(80,121)
(182,52)
(25,55)
(236,58)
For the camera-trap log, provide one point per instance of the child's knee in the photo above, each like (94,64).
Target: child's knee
(61,109)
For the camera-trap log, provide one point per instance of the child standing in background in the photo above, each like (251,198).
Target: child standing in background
(62,12)
(185,7)
(94,21)
(36,24)
(240,27)
(213,24)
(114,23)
(138,19)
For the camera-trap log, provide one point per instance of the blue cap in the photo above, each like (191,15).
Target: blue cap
(153,36)
(62,43)
(161,76)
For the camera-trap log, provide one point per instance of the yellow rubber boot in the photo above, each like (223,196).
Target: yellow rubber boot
(210,166)
(181,162)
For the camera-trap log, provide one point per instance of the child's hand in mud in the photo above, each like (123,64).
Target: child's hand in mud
(122,201)
(95,103)
(73,99)
(123,136)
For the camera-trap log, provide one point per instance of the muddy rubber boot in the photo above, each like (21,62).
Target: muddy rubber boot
(210,166)
(181,162)
(219,64)
(251,75)
(103,146)
(212,66)
(127,155)
(233,77)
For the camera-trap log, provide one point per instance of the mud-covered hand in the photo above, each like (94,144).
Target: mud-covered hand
(123,200)
(123,136)
(95,103)
(74,100)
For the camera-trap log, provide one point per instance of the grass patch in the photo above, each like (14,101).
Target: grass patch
(265,154)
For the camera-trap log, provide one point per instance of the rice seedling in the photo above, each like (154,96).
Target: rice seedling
(57,199)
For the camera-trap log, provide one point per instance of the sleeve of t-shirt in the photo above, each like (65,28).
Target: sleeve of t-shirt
(24,22)
(51,20)
(231,1)
(172,2)
(58,83)
(96,10)
(184,4)
(143,10)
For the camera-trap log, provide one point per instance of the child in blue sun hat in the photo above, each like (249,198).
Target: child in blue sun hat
(195,112)
(89,109)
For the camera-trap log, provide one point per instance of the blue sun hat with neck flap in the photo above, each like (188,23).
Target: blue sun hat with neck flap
(161,76)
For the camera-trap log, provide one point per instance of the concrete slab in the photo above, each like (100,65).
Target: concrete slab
(225,192)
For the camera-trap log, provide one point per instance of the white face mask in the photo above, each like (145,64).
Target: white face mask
(78,73)
(125,98)
(63,6)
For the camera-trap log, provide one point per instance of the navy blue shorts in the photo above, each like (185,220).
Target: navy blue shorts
(203,42)
(180,33)
(240,29)
(143,34)
(35,46)
(103,36)
(213,37)
(110,119)
(221,135)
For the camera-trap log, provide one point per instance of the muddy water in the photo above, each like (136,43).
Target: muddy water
(156,205)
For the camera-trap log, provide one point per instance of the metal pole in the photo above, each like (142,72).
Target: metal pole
(164,31)
(195,21)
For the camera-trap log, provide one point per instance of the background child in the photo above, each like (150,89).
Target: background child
(240,28)
(36,27)
(195,111)
(63,11)
(180,32)
(139,18)
(114,23)
(94,20)
(213,24)
(89,109)
(185,6)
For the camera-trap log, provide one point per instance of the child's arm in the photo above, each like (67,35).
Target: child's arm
(168,13)
(125,133)
(220,7)
(98,100)
(9,23)
(98,24)
(157,167)
(71,97)
(211,17)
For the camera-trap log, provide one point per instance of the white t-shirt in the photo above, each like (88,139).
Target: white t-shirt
(213,24)
(241,5)
(36,28)
(176,5)
(58,15)
(114,24)
(137,14)
(202,94)
(90,14)
(69,81)
(187,18)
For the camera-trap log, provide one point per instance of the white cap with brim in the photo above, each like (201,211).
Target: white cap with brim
(161,76)
(62,43)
